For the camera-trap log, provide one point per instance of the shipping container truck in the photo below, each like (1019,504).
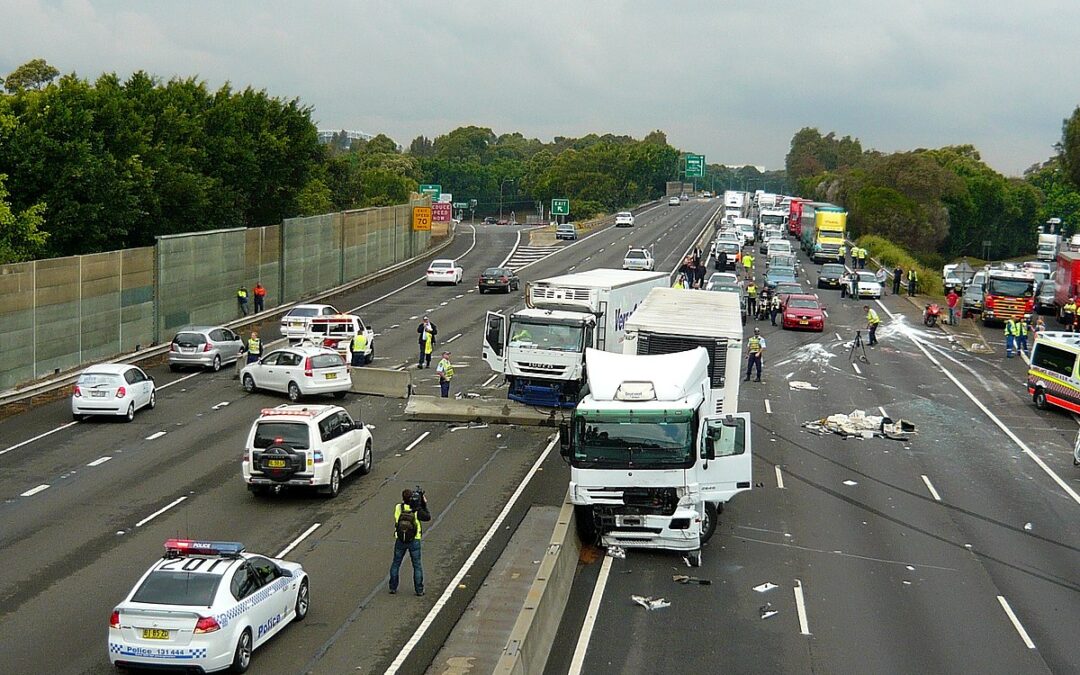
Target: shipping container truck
(1048,247)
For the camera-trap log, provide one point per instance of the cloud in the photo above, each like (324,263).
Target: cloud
(732,79)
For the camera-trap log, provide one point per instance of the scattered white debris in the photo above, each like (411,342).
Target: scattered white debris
(850,483)
(650,602)
(910,568)
(617,552)
(1027,526)
(799,384)
(766,610)
(765,587)
(859,424)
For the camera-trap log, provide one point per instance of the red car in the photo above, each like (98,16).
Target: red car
(802,311)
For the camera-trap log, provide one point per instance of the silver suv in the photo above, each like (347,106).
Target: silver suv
(204,347)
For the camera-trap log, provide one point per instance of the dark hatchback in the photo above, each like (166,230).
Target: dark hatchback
(830,275)
(498,279)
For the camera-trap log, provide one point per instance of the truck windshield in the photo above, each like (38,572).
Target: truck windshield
(556,337)
(651,440)
(772,220)
(831,234)
(1013,288)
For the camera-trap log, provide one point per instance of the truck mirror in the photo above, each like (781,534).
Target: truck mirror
(710,448)
(564,439)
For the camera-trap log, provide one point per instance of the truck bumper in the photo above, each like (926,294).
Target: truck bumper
(549,394)
(680,531)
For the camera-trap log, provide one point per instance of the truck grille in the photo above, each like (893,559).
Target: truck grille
(666,344)
(546,369)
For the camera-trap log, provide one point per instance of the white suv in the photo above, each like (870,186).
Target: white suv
(295,322)
(299,371)
(638,259)
(309,446)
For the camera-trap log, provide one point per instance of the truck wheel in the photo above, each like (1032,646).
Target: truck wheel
(586,528)
(708,525)
(1040,399)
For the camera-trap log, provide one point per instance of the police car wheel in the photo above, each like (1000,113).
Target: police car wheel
(249,383)
(242,655)
(366,462)
(294,392)
(340,394)
(302,601)
(174,368)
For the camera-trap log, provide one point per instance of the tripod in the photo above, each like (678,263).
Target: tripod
(857,343)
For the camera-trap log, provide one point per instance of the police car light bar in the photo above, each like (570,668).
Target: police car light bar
(179,547)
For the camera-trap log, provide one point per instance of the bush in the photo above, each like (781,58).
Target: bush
(891,255)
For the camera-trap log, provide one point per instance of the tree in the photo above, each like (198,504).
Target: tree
(1070,147)
(33,74)
(421,146)
(314,198)
(21,234)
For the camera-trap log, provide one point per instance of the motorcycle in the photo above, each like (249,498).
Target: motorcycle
(932,314)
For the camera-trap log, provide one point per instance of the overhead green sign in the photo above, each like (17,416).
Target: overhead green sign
(560,207)
(433,190)
(695,166)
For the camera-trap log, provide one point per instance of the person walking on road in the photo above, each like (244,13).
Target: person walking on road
(951,300)
(242,300)
(1011,333)
(357,348)
(751,298)
(862,258)
(912,282)
(445,371)
(897,276)
(408,515)
(260,297)
(872,322)
(426,333)
(881,275)
(843,254)
(774,308)
(748,264)
(1022,335)
(755,350)
(1068,312)
(254,347)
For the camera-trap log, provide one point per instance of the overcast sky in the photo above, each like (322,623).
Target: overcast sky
(733,79)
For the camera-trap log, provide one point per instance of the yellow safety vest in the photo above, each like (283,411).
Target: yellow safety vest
(912,275)
(1070,308)
(397,514)
(748,260)
(427,343)
(446,369)
(254,346)
(1023,327)
(872,317)
(843,250)
(751,291)
(755,345)
(242,293)
(359,343)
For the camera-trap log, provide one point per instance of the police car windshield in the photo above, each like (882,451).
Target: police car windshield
(176,587)
(293,434)
(555,337)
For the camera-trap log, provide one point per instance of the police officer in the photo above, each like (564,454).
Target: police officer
(445,371)
(242,300)
(358,346)
(748,264)
(774,308)
(872,322)
(254,347)
(751,298)
(426,332)
(897,276)
(1068,312)
(407,538)
(912,281)
(1011,333)
(843,254)
(1022,339)
(755,350)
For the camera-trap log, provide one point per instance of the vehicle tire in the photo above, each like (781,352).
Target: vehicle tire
(367,461)
(303,601)
(1040,399)
(294,392)
(249,384)
(586,527)
(930,321)
(334,487)
(242,656)
(694,558)
(174,368)
(216,365)
(130,415)
(153,400)
(429,283)
(480,290)
(340,394)
(708,526)
(77,417)
(371,356)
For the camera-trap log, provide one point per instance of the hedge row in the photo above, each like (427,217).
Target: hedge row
(891,255)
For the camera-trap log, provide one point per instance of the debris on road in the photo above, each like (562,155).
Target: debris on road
(767,586)
(470,425)
(799,384)
(684,579)
(860,425)
(650,603)
(617,552)
(849,483)
(766,610)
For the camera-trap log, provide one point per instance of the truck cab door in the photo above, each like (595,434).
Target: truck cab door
(495,341)
(725,460)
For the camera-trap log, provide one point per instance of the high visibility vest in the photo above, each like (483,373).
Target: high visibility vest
(748,260)
(679,284)
(862,254)
(1070,308)
(1010,328)
(428,343)
(751,291)
(242,294)
(1023,328)
(359,343)
(912,275)
(754,345)
(843,250)
(775,302)
(397,515)
(254,346)
(872,317)
(445,368)
(260,292)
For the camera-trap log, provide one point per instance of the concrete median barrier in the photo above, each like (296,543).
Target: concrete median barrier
(531,640)
(484,410)
(381,382)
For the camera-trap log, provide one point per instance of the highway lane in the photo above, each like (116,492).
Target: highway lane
(907,556)
(73,549)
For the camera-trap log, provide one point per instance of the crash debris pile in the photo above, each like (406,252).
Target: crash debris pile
(858,424)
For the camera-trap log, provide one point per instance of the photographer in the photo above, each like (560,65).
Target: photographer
(407,518)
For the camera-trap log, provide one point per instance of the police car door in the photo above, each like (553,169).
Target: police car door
(269,606)
(495,342)
(725,457)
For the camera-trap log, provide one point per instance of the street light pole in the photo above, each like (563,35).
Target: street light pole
(503,182)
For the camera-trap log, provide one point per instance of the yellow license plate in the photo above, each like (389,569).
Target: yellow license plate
(155,634)
(296,325)
(331,376)
(275,463)
(803,323)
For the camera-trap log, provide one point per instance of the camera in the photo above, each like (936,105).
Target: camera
(418,499)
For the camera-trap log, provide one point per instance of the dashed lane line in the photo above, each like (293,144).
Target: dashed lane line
(155,436)
(296,542)
(37,438)
(930,487)
(33,491)
(417,442)
(779,477)
(160,511)
(585,635)
(1016,622)
(800,607)
(99,461)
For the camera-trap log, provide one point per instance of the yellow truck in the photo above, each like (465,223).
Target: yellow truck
(830,229)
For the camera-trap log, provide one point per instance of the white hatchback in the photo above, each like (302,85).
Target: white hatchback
(299,371)
(444,272)
(112,389)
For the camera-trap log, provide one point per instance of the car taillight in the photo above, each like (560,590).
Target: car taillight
(207,346)
(318,457)
(206,624)
(78,392)
(114,619)
(307,367)
(121,392)
(329,343)
(173,347)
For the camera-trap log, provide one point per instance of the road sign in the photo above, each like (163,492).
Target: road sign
(445,197)
(472,203)
(433,190)
(421,218)
(560,207)
(441,212)
(695,166)
(461,205)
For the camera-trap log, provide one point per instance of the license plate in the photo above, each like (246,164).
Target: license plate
(155,634)
(275,463)
(296,325)
(331,376)
(803,322)
(97,394)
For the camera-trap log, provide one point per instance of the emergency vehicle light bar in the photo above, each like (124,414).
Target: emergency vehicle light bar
(291,412)
(179,547)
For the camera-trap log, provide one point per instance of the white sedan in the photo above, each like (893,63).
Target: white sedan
(206,605)
(444,272)
(863,285)
(112,389)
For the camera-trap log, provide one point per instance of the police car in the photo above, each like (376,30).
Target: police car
(206,605)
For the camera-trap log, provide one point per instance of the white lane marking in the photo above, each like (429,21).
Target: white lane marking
(296,542)
(414,282)
(825,313)
(155,436)
(418,634)
(417,441)
(930,487)
(444,304)
(800,607)
(33,491)
(590,617)
(883,413)
(99,461)
(779,477)
(398,324)
(429,310)
(490,379)
(856,367)
(160,511)
(219,405)
(453,338)
(414,318)
(1016,622)
(513,250)
(993,418)
(838,337)
(37,438)
(471,290)
(402,367)
(456,297)
(179,380)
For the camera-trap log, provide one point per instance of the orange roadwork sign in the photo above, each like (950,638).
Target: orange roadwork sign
(421,218)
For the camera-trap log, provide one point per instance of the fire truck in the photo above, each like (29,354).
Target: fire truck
(1008,293)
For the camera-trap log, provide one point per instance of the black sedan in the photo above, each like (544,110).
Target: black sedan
(498,278)
(830,276)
